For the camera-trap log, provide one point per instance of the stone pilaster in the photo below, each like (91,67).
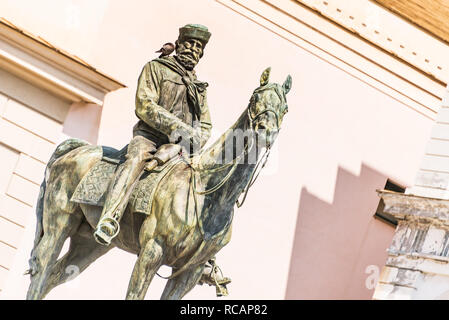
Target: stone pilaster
(432,179)
(418,258)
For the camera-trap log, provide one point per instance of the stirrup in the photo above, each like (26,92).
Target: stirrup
(103,237)
(221,291)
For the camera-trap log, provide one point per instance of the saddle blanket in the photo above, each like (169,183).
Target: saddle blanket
(92,188)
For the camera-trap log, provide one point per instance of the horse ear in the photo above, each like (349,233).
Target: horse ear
(287,84)
(265,76)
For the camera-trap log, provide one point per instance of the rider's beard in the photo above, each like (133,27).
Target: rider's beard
(186,60)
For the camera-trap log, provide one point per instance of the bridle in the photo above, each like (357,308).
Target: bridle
(262,161)
(268,109)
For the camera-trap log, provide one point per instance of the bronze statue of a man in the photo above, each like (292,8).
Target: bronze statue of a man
(170,103)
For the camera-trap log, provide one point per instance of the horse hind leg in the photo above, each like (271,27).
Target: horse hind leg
(57,226)
(82,252)
(149,261)
(179,286)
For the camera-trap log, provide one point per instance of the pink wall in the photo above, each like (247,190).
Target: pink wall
(345,237)
(306,230)
(83,121)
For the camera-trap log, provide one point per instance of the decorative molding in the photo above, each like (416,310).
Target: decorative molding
(431,15)
(430,210)
(16,88)
(308,29)
(388,31)
(419,252)
(47,67)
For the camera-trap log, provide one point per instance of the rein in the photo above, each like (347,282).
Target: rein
(264,157)
(214,188)
(263,160)
(253,177)
(225,179)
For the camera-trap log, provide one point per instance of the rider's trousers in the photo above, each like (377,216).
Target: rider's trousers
(140,150)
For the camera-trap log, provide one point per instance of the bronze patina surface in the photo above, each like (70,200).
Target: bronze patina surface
(181,205)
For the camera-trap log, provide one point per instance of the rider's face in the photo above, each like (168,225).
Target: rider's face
(189,52)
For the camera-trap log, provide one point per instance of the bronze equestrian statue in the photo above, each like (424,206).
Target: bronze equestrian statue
(172,202)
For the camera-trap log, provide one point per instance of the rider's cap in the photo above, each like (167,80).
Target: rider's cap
(194,31)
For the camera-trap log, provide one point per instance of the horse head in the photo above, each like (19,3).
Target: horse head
(267,107)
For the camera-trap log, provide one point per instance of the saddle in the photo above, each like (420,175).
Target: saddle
(93,186)
(92,189)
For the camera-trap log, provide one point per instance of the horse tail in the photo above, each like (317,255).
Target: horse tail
(62,149)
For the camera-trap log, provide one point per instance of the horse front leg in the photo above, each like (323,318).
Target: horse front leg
(149,261)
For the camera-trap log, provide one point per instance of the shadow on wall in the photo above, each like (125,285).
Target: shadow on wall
(340,248)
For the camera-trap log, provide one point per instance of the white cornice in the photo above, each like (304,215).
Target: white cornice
(339,45)
(388,31)
(48,67)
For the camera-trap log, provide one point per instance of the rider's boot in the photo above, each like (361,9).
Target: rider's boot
(108,226)
(139,151)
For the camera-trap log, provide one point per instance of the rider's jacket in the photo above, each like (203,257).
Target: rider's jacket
(170,98)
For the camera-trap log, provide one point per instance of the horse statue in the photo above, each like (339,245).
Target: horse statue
(179,216)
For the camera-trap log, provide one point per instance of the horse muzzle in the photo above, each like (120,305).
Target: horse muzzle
(266,136)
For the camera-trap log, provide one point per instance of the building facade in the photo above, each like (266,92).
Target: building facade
(367,87)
